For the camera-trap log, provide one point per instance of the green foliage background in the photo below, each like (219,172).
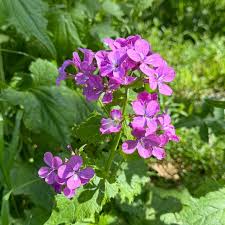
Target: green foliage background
(36,116)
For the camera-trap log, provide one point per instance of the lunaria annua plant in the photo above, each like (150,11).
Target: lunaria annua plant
(128,61)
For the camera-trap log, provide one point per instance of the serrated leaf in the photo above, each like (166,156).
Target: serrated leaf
(207,210)
(43,72)
(86,203)
(65,33)
(88,131)
(131,178)
(112,8)
(27,17)
(103,30)
(50,111)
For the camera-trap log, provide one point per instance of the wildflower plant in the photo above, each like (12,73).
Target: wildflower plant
(128,65)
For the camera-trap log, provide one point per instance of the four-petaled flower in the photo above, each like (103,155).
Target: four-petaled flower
(49,172)
(113,124)
(74,175)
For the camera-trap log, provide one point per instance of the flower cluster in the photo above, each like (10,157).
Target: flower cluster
(66,176)
(102,73)
(151,130)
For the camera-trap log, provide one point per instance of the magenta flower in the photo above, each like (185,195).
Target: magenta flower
(74,175)
(113,124)
(110,87)
(158,77)
(62,71)
(113,66)
(145,108)
(146,146)
(49,172)
(164,121)
(85,67)
(94,88)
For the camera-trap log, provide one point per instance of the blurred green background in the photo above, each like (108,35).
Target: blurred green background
(37,35)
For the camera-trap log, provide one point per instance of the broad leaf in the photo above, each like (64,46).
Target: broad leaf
(88,131)
(50,111)
(27,17)
(43,72)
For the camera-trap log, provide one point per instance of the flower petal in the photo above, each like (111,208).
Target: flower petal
(165,89)
(86,174)
(57,162)
(147,70)
(159,153)
(116,114)
(43,172)
(129,146)
(68,192)
(142,47)
(155,60)
(48,159)
(138,108)
(144,152)
(75,162)
(139,122)
(107,98)
(152,108)
(133,55)
(73,182)
(65,171)
(50,179)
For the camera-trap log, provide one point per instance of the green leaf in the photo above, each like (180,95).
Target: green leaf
(28,18)
(25,181)
(5,214)
(43,72)
(103,30)
(65,33)
(88,131)
(13,146)
(131,177)
(204,132)
(112,8)
(1,138)
(87,202)
(216,103)
(207,210)
(50,111)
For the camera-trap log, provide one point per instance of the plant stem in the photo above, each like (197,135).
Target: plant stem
(117,137)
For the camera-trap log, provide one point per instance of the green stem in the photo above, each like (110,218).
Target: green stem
(116,140)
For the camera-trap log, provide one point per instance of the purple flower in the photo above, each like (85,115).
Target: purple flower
(145,108)
(74,175)
(86,67)
(159,76)
(113,124)
(140,54)
(94,88)
(108,91)
(146,146)
(164,121)
(49,172)
(62,71)
(112,67)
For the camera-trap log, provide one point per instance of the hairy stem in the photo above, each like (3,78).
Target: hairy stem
(116,140)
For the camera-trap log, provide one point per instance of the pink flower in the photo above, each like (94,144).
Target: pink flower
(113,124)
(160,76)
(146,146)
(145,108)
